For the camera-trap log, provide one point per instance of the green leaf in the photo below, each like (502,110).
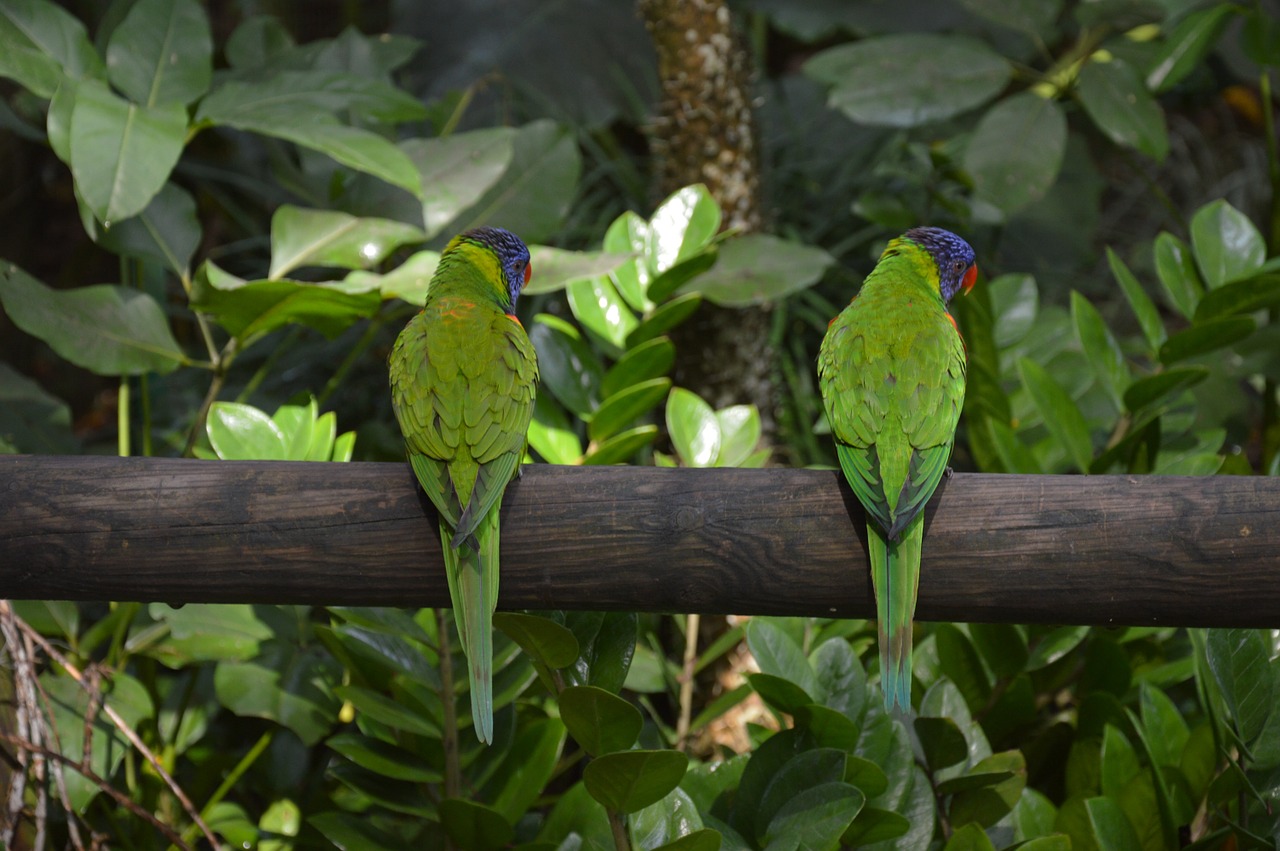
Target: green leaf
(106,329)
(831,729)
(958,657)
(474,826)
(527,768)
(599,721)
(941,740)
(555,268)
(550,433)
(40,42)
(1238,659)
(629,234)
(385,710)
(167,231)
(631,780)
(569,367)
(664,318)
(384,758)
(1145,392)
(1256,293)
(1177,273)
(647,361)
(1119,762)
(1115,98)
(1055,645)
(249,309)
(543,639)
(739,434)
(1187,46)
(302,237)
(1143,308)
(759,268)
(673,279)
(705,839)
(840,676)
(621,409)
(909,80)
(620,448)
(533,195)
(1101,348)
(457,170)
(1003,647)
(202,633)
(673,822)
(970,837)
(1033,17)
(1060,413)
(122,153)
(682,226)
(1204,337)
(285,683)
(31,419)
(779,693)
(1227,245)
(1016,151)
(355,832)
(598,307)
(162,52)
(607,642)
(815,818)
(874,825)
(991,802)
(693,427)
(804,771)
(1111,828)
(409,281)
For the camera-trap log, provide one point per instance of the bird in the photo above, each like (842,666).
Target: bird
(463,377)
(891,371)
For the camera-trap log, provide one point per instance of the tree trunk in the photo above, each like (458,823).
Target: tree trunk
(705,132)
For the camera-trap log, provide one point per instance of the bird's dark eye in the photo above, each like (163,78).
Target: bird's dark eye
(958,265)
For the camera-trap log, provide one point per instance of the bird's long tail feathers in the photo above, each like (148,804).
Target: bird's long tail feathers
(473,588)
(895,575)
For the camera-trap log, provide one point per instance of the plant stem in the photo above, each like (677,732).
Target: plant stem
(144,392)
(691,624)
(452,770)
(122,418)
(618,825)
(353,354)
(222,361)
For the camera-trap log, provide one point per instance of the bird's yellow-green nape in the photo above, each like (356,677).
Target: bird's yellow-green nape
(891,370)
(463,378)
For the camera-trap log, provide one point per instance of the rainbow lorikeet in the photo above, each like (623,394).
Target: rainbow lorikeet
(463,376)
(892,373)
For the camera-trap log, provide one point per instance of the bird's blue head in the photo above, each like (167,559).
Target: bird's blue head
(957,265)
(512,254)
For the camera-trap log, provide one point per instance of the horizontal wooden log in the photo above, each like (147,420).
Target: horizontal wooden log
(1020,549)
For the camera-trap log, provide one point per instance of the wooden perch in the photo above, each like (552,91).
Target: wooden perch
(1019,549)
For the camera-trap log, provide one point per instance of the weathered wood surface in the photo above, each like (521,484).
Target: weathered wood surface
(1021,549)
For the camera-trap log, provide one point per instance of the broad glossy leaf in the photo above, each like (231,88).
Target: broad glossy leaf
(457,170)
(1186,46)
(526,768)
(1016,151)
(475,826)
(693,428)
(289,93)
(31,419)
(631,780)
(1143,308)
(759,268)
(286,683)
(622,447)
(1060,412)
(816,817)
(385,710)
(1003,647)
(1238,659)
(989,803)
(682,226)
(959,659)
(249,309)
(673,279)
(872,825)
(1145,392)
(664,318)
(551,435)
(779,693)
(555,268)
(533,194)
(674,822)
(409,281)
(1055,645)
(647,361)
(597,305)
(599,721)
(162,52)
(302,237)
(1015,303)
(970,837)
(1177,273)
(1204,337)
(941,740)
(1119,762)
(1111,828)
(203,633)
(831,729)
(1227,245)
(355,832)
(1033,17)
(40,42)
(630,234)
(810,768)
(1101,348)
(542,638)
(122,153)
(109,330)
(909,80)
(777,653)
(569,367)
(384,758)
(167,231)
(739,434)
(606,642)
(1256,293)
(1115,98)
(1164,727)
(840,676)
(621,409)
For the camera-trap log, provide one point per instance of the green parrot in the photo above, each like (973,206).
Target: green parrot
(463,377)
(892,373)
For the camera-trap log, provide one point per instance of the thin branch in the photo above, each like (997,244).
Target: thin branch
(691,624)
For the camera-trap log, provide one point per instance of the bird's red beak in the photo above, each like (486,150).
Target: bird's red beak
(969,279)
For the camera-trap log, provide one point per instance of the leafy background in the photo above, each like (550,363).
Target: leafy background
(216,220)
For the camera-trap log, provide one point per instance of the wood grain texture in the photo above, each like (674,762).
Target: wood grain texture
(1020,549)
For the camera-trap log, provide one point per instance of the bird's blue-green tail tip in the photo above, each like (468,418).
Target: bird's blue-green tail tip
(895,683)
(482,711)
